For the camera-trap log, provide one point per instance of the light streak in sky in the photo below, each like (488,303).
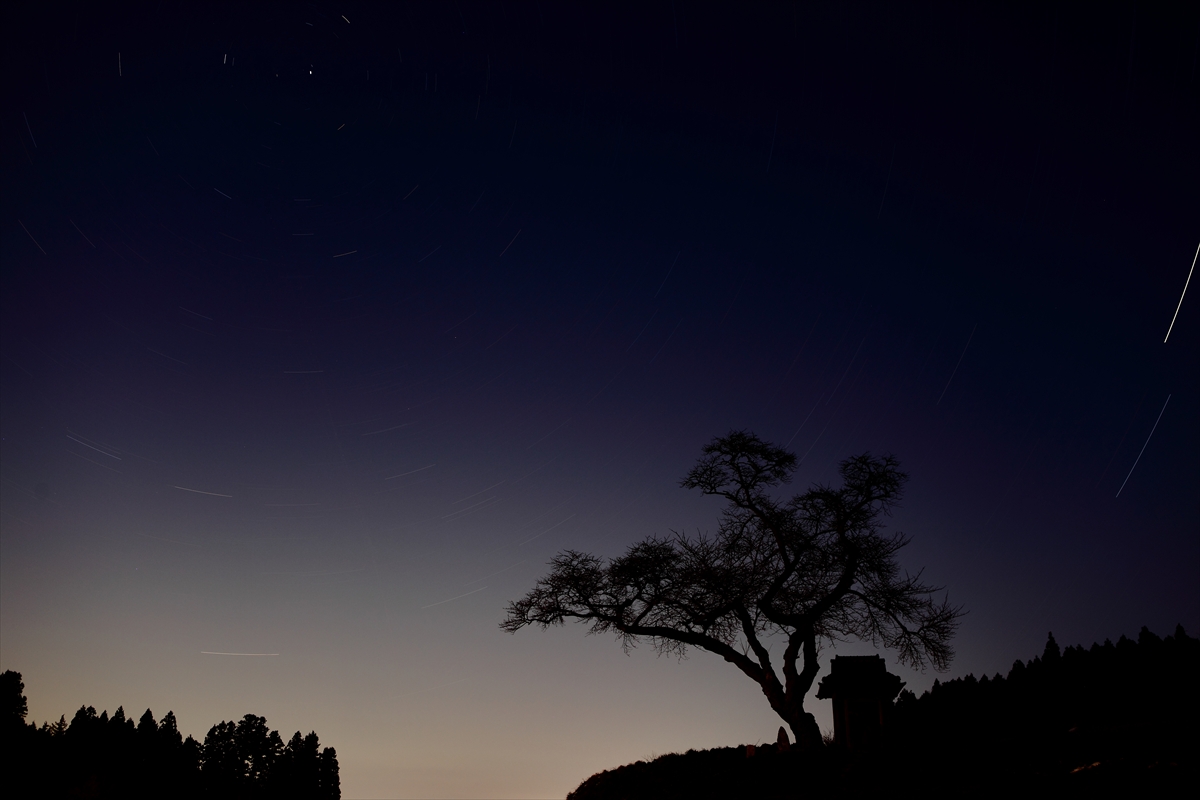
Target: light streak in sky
(81,233)
(664,344)
(164,539)
(506,333)
(848,366)
(956,366)
(470,507)
(1139,458)
(197,491)
(1185,285)
(385,430)
(814,444)
(802,424)
(97,449)
(164,355)
(35,241)
(510,244)
(547,436)
(545,514)
(310,574)
(430,689)
(411,472)
(452,599)
(497,572)
(664,280)
(643,330)
(97,463)
(481,491)
(211,653)
(543,533)
(801,350)
(460,322)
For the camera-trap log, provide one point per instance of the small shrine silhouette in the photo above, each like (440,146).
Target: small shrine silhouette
(862,691)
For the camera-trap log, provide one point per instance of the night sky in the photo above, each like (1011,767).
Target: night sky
(325,326)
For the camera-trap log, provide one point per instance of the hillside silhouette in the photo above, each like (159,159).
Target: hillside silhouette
(99,756)
(1109,720)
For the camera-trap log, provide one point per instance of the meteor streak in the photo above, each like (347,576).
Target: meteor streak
(543,533)
(510,244)
(385,430)
(1139,458)
(497,572)
(956,366)
(410,472)
(802,424)
(1185,285)
(197,491)
(97,449)
(432,688)
(461,596)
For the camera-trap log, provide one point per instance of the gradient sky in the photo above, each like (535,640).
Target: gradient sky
(325,327)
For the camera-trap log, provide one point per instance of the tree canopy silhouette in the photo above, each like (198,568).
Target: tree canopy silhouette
(811,570)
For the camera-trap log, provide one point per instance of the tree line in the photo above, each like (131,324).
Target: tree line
(1098,715)
(97,755)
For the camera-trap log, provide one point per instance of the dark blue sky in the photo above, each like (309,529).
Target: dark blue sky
(317,316)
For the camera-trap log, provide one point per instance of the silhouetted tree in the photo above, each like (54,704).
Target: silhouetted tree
(815,569)
(306,772)
(17,739)
(249,760)
(259,748)
(12,695)
(168,731)
(293,764)
(328,781)
(222,764)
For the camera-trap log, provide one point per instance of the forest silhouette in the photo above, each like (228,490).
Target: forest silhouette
(101,756)
(1109,720)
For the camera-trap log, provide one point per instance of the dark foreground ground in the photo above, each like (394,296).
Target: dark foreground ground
(1113,720)
(728,773)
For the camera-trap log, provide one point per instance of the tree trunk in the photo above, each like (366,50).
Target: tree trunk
(805,729)
(803,724)
(791,708)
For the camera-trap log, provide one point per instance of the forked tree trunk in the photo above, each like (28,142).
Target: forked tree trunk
(806,730)
(791,704)
(802,724)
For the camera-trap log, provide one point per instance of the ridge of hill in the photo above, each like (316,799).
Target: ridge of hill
(1109,720)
